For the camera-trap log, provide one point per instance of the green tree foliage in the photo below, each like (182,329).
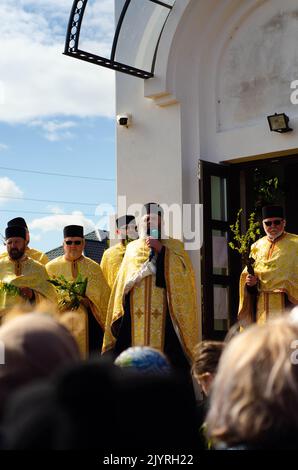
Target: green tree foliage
(242,242)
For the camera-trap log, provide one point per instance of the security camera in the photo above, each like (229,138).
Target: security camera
(124,120)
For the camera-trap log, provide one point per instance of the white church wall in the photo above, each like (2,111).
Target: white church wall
(235,62)
(222,67)
(149,151)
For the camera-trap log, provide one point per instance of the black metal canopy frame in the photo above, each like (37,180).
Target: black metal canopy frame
(73,37)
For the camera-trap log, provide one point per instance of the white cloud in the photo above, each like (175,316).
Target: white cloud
(51,84)
(35,238)
(55,137)
(3,147)
(54,126)
(9,189)
(37,81)
(55,209)
(59,221)
(54,130)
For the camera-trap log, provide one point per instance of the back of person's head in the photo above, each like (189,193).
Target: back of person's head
(206,357)
(205,363)
(75,410)
(233,332)
(85,401)
(35,346)
(145,360)
(254,399)
(156,413)
(96,405)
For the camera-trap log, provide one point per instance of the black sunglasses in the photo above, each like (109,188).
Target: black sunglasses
(76,242)
(268,223)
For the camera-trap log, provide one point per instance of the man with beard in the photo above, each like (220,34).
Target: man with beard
(87,321)
(22,280)
(30,252)
(274,287)
(153,302)
(112,257)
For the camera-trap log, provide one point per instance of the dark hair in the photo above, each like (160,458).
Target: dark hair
(206,357)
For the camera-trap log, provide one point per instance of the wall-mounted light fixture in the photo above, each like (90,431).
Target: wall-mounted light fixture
(279,123)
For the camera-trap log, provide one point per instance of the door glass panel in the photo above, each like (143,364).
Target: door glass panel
(221,307)
(220,252)
(218,198)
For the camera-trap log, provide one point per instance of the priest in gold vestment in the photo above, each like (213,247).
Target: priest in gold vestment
(88,321)
(275,284)
(30,252)
(153,303)
(18,271)
(112,257)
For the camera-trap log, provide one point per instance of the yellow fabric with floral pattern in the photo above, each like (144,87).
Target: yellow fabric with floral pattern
(24,273)
(148,314)
(276,266)
(111,262)
(149,303)
(97,293)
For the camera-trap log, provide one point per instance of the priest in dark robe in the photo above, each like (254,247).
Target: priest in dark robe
(153,301)
(88,320)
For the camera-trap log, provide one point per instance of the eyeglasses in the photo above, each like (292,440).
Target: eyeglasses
(76,242)
(268,223)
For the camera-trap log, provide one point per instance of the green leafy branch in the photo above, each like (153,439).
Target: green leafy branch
(9,289)
(242,242)
(70,293)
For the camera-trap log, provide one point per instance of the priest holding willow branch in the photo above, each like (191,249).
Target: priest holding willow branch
(22,279)
(83,293)
(274,282)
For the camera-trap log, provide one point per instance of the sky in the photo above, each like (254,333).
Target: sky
(56,116)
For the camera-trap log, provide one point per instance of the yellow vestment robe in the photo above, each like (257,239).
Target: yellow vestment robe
(97,293)
(276,266)
(33,254)
(24,273)
(149,304)
(111,262)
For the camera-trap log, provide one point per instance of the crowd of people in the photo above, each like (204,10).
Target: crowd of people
(107,357)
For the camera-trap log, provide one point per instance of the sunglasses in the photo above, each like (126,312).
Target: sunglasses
(268,223)
(76,242)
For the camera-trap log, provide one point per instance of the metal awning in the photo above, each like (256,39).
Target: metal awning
(150,16)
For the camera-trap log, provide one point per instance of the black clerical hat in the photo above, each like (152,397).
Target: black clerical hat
(272,211)
(18,221)
(73,231)
(124,220)
(15,231)
(153,208)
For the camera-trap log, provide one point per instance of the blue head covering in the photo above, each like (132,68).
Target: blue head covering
(144,359)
